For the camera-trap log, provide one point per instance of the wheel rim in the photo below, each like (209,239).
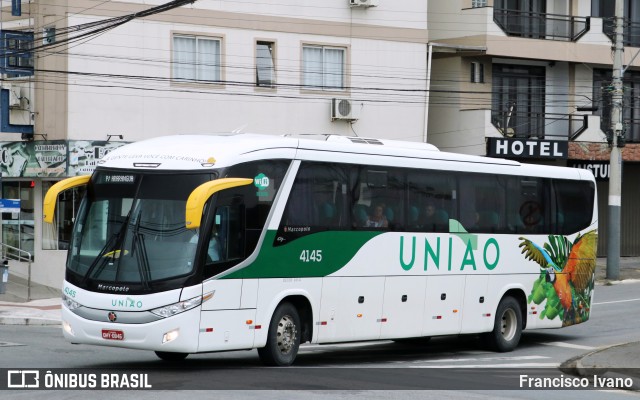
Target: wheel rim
(286,334)
(509,324)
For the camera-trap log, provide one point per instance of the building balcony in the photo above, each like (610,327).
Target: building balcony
(631,31)
(541,25)
(549,126)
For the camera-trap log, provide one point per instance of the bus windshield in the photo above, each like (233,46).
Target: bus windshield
(131,231)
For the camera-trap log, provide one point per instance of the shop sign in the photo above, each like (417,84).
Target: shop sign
(600,170)
(55,158)
(527,148)
(33,159)
(85,154)
(10,205)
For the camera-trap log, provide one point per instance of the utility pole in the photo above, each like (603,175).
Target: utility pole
(615,177)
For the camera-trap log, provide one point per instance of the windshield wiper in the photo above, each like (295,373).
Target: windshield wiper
(116,241)
(101,257)
(139,248)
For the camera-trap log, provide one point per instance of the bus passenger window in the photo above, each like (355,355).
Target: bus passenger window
(379,198)
(432,201)
(378,218)
(317,199)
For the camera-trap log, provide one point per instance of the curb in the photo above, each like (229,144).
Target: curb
(32,321)
(574,366)
(607,282)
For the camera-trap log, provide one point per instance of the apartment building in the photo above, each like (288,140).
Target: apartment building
(83,77)
(530,80)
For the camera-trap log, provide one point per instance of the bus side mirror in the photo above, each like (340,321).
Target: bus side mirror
(49,204)
(200,195)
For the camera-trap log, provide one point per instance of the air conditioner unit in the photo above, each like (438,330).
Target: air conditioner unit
(363,3)
(14,95)
(344,109)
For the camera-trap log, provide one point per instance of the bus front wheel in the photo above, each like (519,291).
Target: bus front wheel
(171,357)
(507,327)
(283,338)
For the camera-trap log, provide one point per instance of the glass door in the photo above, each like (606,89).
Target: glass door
(17,228)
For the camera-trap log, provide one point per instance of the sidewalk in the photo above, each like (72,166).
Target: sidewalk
(617,361)
(36,312)
(629,269)
(42,309)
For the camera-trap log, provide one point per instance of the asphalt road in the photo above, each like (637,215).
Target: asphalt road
(359,370)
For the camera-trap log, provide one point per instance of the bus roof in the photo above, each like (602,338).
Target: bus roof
(203,152)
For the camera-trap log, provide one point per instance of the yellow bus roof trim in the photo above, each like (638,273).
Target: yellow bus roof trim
(200,195)
(49,205)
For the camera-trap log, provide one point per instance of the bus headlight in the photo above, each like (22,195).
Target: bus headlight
(182,306)
(67,328)
(70,303)
(170,336)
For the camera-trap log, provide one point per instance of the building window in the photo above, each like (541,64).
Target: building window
(323,67)
(518,100)
(265,64)
(477,72)
(522,18)
(478,3)
(605,9)
(196,58)
(57,236)
(16,59)
(17,228)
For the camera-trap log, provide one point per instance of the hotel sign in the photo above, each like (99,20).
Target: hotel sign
(527,148)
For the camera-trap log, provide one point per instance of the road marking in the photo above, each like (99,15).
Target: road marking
(374,365)
(514,365)
(520,358)
(568,345)
(614,302)
(9,344)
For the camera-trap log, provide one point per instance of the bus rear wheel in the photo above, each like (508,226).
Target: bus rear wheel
(171,357)
(283,338)
(507,327)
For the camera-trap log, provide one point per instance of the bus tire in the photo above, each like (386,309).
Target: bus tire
(171,356)
(283,338)
(507,327)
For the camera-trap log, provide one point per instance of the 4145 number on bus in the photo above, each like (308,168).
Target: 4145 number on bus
(311,256)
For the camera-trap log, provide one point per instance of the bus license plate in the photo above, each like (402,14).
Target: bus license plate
(112,334)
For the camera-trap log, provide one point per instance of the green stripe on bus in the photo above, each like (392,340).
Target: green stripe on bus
(301,259)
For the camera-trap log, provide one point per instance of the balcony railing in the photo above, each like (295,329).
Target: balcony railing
(550,126)
(631,127)
(631,31)
(541,25)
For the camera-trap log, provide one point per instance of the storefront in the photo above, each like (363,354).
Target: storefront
(29,169)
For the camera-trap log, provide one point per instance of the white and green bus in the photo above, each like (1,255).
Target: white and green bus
(194,244)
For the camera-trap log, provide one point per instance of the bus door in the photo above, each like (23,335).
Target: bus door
(223,238)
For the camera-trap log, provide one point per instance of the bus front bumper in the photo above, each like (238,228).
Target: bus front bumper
(178,333)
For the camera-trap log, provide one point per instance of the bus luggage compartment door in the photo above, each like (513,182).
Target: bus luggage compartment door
(351,309)
(443,305)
